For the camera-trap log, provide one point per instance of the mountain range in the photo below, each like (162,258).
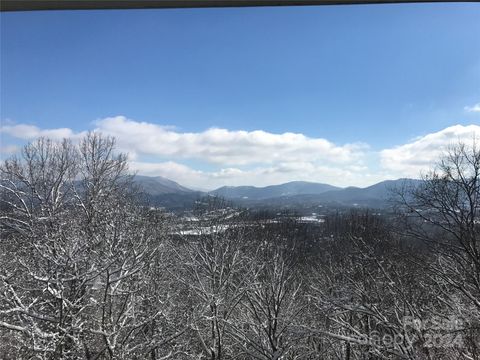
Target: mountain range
(173,196)
(159,185)
(260,193)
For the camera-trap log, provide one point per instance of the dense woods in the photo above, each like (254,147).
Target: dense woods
(88,271)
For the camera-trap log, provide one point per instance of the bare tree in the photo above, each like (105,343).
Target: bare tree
(77,253)
(212,266)
(271,310)
(444,212)
(36,198)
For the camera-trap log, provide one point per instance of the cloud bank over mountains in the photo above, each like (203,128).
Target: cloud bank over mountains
(419,154)
(224,147)
(217,157)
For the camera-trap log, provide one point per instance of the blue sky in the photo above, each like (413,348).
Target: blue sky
(365,79)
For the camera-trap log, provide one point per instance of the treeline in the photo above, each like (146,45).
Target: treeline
(88,272)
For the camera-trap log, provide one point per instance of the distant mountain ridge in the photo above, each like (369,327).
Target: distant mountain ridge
(302,193)
(159,185)
(288,189)
(376,195)
(168,193)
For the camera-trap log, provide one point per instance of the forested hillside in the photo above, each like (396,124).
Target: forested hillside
(89,272)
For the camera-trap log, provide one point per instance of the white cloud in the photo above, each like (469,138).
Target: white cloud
(29,132)
(9,149)
(257,157)
(258,176)
(474,108)
(225,147)
(419,155)
(239,157)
